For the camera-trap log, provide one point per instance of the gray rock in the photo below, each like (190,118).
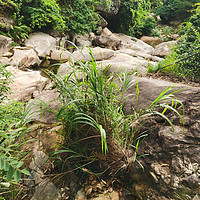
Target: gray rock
(115,5)
(25,84)
(40,112)
(84,40)
(5,44)
(60,55)
(197,197)
(122,61)
(97,53)
(173,164)
(110,42)
(46,190)
(128,42)
(164,49)
(42,43)
(80,195)
(24,57)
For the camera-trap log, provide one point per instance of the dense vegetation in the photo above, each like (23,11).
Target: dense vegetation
(79,16)
(185,58)
(97,101)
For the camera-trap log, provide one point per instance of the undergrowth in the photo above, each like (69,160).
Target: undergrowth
(95,125)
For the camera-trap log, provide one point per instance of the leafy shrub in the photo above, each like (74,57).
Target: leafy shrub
(92,112)
(134,17)
(175,8)
(12,127)
(4,81)
(188,48)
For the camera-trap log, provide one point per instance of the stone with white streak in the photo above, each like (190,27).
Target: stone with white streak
(25,84)
(164,49)
(42,43)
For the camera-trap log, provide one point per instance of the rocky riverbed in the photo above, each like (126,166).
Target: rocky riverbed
(172,169)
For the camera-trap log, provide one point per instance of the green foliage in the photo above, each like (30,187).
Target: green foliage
(189,47)
(171,9)
(4,81)
(79,16)
(40,13)
(12,126)
(185,59)
(92,112)
(134,17)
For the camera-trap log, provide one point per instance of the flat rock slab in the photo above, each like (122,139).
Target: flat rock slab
(98,54)
(41,112)
(25,84)
(128,42)
(122,61)
(42,43)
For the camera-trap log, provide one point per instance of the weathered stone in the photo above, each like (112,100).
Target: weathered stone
(102,22)
(5,44)
(24,57)
(151,40)
(197,197)
(49,97)
(110,42)
(122,61)
(42,43)
(60,55)
(164,49)
(128,42)
(142,55)
(173,164)
(25,84)
(8,54)
(97,53)
(80,195)
(66,69)
(84,40)
(46,190)
(6,16)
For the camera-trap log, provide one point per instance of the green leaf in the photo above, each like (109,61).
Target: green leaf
(19,164)
(6,166)
(17,176)
(24,171)
(1,164)
(10,173)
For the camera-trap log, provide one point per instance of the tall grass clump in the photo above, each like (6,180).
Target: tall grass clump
(91,112)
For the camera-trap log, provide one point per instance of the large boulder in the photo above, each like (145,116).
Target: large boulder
(84,40)
(142,55)
(107,41)
(151,40)
(60,55)
(128,42)
(164,49)
(42,43)
(39,100)
(25,84)
(5,44)
(24,57)
(98,54)
(172,168)
(122,62)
